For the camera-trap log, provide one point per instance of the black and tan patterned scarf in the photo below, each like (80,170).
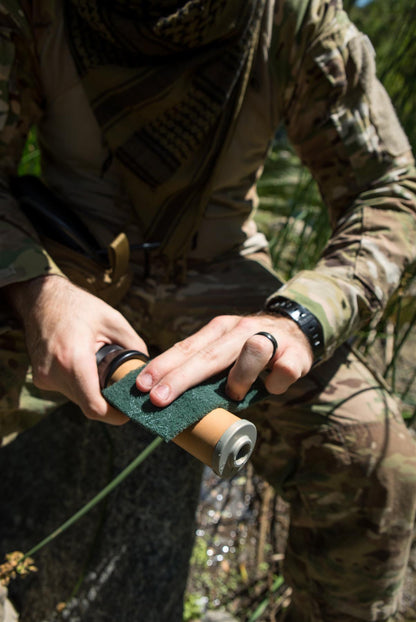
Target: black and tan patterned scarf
(165,79)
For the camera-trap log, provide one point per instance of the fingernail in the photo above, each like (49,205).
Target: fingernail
(162,391)
(145,381)
(233,394)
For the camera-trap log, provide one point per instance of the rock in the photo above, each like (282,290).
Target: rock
(7,611)
(130,554)
(218,616)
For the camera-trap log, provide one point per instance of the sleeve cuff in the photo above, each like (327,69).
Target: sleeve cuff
(29,261)
(336,308)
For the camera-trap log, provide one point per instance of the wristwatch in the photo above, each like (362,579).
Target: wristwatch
(307,321)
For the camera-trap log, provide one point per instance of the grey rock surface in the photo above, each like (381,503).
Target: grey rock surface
(7,611)
(218,616)
(126,560)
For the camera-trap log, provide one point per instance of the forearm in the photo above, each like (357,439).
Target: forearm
(21,254)
(364,263)
(344,128)
(21,103)
(24,296)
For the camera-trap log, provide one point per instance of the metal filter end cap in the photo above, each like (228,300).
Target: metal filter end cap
(234,448)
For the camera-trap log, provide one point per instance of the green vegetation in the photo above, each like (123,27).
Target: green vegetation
(30,163)
(391,26)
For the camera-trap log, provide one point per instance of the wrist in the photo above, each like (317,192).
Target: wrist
(305,320)
(23,296)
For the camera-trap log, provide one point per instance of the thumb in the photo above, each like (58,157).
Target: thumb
(123,334)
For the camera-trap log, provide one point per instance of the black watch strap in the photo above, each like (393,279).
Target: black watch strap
(307,321)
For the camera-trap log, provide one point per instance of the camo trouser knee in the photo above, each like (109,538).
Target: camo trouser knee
(338,451)
(21,403)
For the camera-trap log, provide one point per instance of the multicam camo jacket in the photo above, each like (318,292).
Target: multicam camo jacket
(315,73)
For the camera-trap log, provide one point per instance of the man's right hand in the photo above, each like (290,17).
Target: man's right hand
(64,328)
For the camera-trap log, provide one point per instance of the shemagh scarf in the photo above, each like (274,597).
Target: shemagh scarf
(165,79)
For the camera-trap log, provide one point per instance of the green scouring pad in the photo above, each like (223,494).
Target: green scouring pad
(187,409)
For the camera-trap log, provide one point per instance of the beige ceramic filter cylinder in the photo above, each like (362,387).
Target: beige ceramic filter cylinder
(220,439)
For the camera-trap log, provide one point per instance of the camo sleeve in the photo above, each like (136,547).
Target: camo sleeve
(21,255)
(342,124)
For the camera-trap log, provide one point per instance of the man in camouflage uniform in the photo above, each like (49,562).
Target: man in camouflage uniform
(182,177)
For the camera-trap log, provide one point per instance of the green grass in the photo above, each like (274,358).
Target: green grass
(30,162)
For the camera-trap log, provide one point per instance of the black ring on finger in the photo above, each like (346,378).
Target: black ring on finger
(271,339)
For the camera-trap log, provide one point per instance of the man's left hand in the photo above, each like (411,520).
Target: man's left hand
(230,340)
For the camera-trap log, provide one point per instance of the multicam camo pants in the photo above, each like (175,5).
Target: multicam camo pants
(334,446)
